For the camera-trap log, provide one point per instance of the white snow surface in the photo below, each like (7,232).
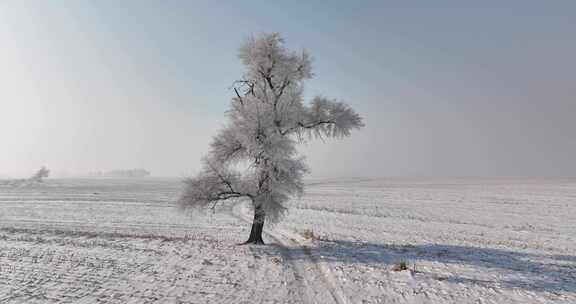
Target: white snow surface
(125,241)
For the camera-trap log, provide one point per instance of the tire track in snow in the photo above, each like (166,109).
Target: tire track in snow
(316,282)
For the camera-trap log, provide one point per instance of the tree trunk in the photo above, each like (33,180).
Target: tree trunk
(257,227)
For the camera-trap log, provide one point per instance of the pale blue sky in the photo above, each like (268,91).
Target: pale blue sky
(446,88)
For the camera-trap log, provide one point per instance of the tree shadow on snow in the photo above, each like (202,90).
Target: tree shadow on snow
(545,273)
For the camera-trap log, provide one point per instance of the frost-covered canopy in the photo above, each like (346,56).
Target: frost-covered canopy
(267,118)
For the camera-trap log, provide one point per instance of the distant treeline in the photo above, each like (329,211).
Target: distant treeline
(139,172)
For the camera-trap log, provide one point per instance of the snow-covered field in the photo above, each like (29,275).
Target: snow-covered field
(124,241)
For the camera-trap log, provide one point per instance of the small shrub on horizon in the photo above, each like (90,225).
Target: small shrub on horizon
(400,266)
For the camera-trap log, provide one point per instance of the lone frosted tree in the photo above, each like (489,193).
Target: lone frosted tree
(254,156)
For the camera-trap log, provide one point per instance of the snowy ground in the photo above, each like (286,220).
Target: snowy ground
(123,241)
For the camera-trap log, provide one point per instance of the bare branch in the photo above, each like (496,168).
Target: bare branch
(239,97)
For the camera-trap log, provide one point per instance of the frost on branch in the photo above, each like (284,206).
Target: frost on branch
(254,156)
(214,184)
(328,118)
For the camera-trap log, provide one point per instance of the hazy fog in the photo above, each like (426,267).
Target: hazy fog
(445,90)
